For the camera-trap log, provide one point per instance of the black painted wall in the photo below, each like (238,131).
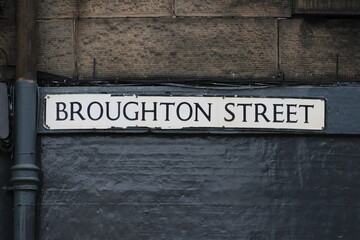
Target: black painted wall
(6,199)
(215,187)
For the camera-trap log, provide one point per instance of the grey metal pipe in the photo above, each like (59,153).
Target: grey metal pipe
(25,172)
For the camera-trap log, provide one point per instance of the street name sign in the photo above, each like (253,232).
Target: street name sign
(109,111)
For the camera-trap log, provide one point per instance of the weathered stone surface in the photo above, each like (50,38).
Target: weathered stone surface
(8,40)
(57,9)
(327,6)
(168,47)
(126,8)
(319,48)
(246,8)
(56,47)
(47,9)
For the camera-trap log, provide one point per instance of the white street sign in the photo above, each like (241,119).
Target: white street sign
(105,111)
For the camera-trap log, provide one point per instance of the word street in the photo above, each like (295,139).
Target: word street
(104,111)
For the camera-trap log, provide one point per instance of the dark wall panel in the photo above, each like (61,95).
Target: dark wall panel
(200,187)
(6,200)
(7,40)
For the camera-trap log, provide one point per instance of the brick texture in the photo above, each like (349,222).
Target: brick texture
(245,8)
(327,6)
(310,49)
(168,47)
(126,8)
(56,47)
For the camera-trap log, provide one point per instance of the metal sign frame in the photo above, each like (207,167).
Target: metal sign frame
(341,117)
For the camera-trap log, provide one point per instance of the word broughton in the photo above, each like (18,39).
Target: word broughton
(104,111)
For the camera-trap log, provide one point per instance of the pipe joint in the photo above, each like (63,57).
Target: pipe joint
(24,166)
(25,177)
(25,188)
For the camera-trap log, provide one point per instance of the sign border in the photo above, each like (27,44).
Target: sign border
(340,117)
(195,128)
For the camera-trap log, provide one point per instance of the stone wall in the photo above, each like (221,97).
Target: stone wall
(192,39)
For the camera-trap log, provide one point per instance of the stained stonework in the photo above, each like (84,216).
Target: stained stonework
(339,7)
(125,8)
(326,49)
(56,47)
(243,8)
(181,47)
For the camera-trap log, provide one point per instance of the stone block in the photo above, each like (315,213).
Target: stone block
(50,9)
(56,47)
(322,49)
(177,48)
(351,7)
(243,8)
(126,8)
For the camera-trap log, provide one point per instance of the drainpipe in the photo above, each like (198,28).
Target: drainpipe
(25,172)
